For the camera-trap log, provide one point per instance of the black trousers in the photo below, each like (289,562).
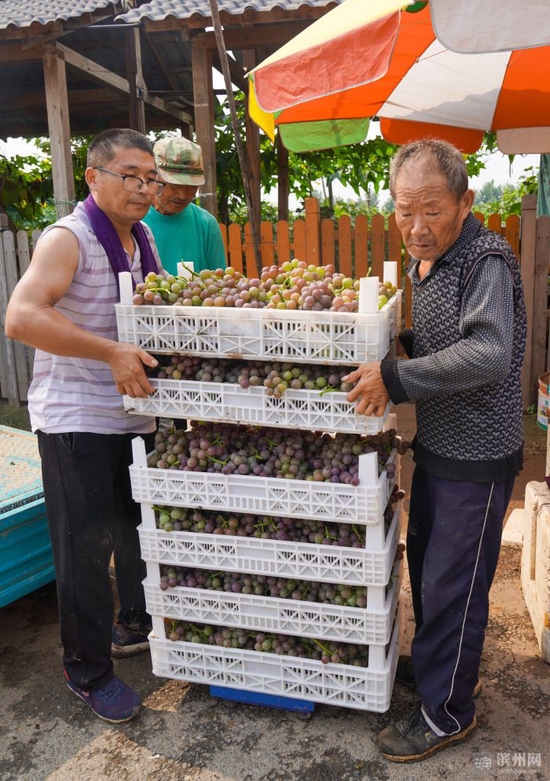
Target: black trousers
(453,545)
(91,514)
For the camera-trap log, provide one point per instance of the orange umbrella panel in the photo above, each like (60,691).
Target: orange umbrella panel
(394,68)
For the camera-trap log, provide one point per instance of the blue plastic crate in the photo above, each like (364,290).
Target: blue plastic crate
(265,700)
(26,561)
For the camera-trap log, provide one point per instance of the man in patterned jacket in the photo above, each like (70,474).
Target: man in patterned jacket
(466,350)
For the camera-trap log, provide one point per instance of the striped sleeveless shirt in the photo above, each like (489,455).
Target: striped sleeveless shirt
(79,394)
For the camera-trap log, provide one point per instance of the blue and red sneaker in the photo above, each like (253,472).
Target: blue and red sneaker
(115,701)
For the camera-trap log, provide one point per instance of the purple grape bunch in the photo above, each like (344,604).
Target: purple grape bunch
(283,453)
(328,652)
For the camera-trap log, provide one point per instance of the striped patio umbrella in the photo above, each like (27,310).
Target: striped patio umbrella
(449,69)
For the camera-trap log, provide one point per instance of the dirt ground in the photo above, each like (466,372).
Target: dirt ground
(184,734)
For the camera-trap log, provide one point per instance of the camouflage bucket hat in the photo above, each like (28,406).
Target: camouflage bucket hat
(179,161)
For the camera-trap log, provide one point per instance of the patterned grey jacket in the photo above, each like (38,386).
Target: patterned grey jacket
(466,347)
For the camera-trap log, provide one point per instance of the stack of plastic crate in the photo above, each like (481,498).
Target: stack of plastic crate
(316,337)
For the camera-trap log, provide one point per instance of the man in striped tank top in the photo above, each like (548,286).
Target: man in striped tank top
(64,306)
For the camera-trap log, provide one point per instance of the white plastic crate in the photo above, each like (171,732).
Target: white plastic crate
(369,625)
(229,403)
(263,334)
(367,566)
(270,495)
(363,688)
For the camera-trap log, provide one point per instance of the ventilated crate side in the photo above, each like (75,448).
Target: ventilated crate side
(229,403)
(369,625)
(367,566)
(262,334)
(269,495)
(346,686)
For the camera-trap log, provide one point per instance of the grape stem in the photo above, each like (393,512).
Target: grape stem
(330,389)
(358,533)
(323,648)
(217,460)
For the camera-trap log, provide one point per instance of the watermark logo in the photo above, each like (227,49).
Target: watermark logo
(508,762)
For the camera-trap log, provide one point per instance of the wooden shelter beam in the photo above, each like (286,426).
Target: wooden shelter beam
(253,150)
(282,179)
(241,23)
(136,81)
(12,53)
(204,123)
(252,38)
(97,72)
(237,73)
(154,41)
(57,104)
(35,101)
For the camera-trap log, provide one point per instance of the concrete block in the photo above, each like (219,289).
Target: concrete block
(535,562)
(512,534)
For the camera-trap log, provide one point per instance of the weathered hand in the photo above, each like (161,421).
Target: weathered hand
(127,367)
(368,389)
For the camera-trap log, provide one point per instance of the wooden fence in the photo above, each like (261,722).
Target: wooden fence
(356,248)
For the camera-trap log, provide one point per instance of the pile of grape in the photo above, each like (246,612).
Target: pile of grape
(265,452)
(292,285)
(284,645)
(268,527)
(339,594)
(275,376)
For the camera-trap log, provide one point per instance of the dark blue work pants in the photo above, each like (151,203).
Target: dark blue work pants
(453,544)
(91,513)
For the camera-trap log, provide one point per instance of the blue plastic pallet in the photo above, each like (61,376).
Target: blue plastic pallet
(26,561)
(266,700)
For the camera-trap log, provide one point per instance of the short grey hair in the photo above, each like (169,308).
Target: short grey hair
(448,158)
(104,146)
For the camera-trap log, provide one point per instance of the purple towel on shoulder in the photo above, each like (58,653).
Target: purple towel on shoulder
(111,243)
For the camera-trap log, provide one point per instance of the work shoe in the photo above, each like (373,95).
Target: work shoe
(127,641)
(115,701)
(412,738)
(405,675)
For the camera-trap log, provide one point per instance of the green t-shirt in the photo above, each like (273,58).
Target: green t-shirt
(193,234)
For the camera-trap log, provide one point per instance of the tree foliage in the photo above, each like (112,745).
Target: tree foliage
(506,199)
(26,184)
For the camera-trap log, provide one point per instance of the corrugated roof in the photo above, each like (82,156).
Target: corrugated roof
(23,13)
(157,10)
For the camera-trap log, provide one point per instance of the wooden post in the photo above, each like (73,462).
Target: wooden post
(252,151)
(361,255)
(222,52)
(282,179)
(378,245)
(204,122)
(540,303)
(344,245)
(328,243)
(283,242)
(19,379)
(57,106)
(136,83)
(313,254)
(528,250)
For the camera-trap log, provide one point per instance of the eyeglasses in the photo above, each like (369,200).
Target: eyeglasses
(133,184)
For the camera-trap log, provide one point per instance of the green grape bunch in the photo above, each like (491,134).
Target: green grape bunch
(294,285)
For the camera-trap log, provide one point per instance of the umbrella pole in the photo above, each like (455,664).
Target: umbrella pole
(222,53)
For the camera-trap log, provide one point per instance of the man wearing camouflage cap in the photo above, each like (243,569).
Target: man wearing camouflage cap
(183,231)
